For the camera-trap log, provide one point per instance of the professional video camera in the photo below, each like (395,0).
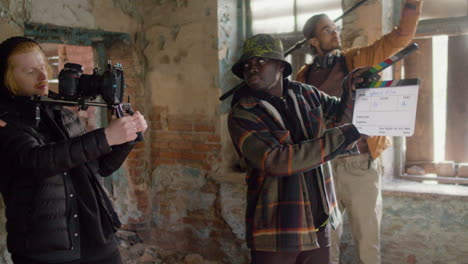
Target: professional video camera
(76,88)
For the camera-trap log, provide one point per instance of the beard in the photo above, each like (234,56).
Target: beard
(330,48)
(333,43)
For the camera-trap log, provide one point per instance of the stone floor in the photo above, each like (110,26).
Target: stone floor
(134,251)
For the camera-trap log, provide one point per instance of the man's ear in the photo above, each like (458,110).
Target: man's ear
(281,65)
(314,42)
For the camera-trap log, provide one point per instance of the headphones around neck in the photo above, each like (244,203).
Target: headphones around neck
(328,60)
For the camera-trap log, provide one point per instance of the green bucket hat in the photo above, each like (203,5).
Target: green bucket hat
(265,46)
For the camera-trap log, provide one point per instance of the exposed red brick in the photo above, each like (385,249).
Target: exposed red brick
(193,156)
(204,128)
(170,154)
(206,147)
(135,162)
(200,137)
(411,259)
(171,136)
(128,91)
(159,144)
(155,116)
(206,167)
(213,138)
(178,145)
(156,124)
(139,145)
(158,162)
(136,175)
(135,153)
(180,126)
(157,110)
(142,200)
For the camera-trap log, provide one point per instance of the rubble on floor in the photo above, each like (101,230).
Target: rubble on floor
(134,251)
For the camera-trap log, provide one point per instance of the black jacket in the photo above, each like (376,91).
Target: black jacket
(49,182)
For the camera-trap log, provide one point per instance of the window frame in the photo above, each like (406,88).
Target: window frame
(427,29)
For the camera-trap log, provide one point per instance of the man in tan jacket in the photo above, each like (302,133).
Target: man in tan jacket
(357,178)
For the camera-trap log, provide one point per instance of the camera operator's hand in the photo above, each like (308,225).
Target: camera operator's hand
(2,123)
(140,122)
(121,130)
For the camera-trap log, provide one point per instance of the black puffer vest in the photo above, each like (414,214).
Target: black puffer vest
(41,206)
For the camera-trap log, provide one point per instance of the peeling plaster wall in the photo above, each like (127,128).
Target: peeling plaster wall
(363,25)
(182,52)
(189,51)
(232,183)
(231,37)
(12,16)
(111,15)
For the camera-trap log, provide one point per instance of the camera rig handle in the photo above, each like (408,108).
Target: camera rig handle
(121,110)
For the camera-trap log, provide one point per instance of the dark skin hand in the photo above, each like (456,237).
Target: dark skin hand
(354,77)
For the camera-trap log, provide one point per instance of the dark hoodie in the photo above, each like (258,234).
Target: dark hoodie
(56,209)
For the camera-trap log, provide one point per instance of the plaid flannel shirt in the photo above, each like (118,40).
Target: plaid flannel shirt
(279,215)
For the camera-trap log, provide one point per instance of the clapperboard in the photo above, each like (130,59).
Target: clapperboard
(387,108)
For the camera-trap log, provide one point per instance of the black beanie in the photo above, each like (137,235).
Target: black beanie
(6,48)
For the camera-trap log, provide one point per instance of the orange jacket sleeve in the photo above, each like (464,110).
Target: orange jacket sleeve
(390,43)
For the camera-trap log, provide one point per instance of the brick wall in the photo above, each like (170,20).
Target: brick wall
(76,54)
(190,141)
(137,165)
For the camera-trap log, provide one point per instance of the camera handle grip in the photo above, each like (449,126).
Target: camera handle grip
(119,112)
(140,136)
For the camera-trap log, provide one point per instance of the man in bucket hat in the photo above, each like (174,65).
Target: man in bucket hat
(285,132)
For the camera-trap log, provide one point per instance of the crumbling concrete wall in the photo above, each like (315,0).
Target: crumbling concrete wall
(196,208)
(363,25)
